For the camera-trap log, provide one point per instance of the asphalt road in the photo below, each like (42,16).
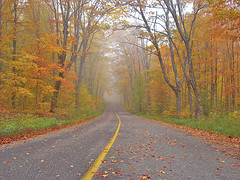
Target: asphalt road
(143,149)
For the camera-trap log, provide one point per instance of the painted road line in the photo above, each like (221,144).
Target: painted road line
(93,169)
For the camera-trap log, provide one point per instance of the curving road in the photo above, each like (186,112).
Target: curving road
(143,149)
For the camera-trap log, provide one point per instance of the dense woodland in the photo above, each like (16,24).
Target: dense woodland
(51,55)
(171,57)
(184,58)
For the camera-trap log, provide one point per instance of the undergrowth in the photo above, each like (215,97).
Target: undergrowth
(15,124)
(223,124)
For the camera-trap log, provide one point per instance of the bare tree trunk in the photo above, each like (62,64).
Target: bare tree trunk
(216,83)
(176,10)
(98,83)
(178,101)
(198,108)
(146,65)
(79,80)
(233,79)
(176,89)
(211,78)
(14,41)
(81,70)
(222,84)
(190,98)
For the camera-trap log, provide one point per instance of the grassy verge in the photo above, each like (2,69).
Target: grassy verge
(14,125)
(221,124)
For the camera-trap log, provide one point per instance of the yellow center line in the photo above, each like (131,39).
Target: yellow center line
(93,169)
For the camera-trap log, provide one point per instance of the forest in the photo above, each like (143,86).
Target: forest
(173,58)
(183,62)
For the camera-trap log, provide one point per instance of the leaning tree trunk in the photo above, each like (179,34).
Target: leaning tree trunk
(176,89)
(198,108)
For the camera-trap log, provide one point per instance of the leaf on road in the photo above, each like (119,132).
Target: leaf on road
(105,175)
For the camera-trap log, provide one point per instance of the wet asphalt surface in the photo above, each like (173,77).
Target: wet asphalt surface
(144,149)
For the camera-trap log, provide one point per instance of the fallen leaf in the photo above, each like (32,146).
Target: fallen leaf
(106,175)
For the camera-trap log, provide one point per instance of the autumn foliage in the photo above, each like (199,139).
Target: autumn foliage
(213,50)
(41,44)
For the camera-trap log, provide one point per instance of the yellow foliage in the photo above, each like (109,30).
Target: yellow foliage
(186,112)
(234,115)
(86,100)
(171,111)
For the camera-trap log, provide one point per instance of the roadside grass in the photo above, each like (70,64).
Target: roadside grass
(17,124)
(228,125)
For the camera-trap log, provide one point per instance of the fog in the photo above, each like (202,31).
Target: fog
(113,97)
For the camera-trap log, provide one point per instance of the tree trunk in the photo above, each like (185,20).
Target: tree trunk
(14,50)
(56,93)
(178,100)
(160,59)
(233,80)
(79,80)
(177,14)
(211,78)
(198,108)
(190,98)
(80,72)
(216,85)
(63,54)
